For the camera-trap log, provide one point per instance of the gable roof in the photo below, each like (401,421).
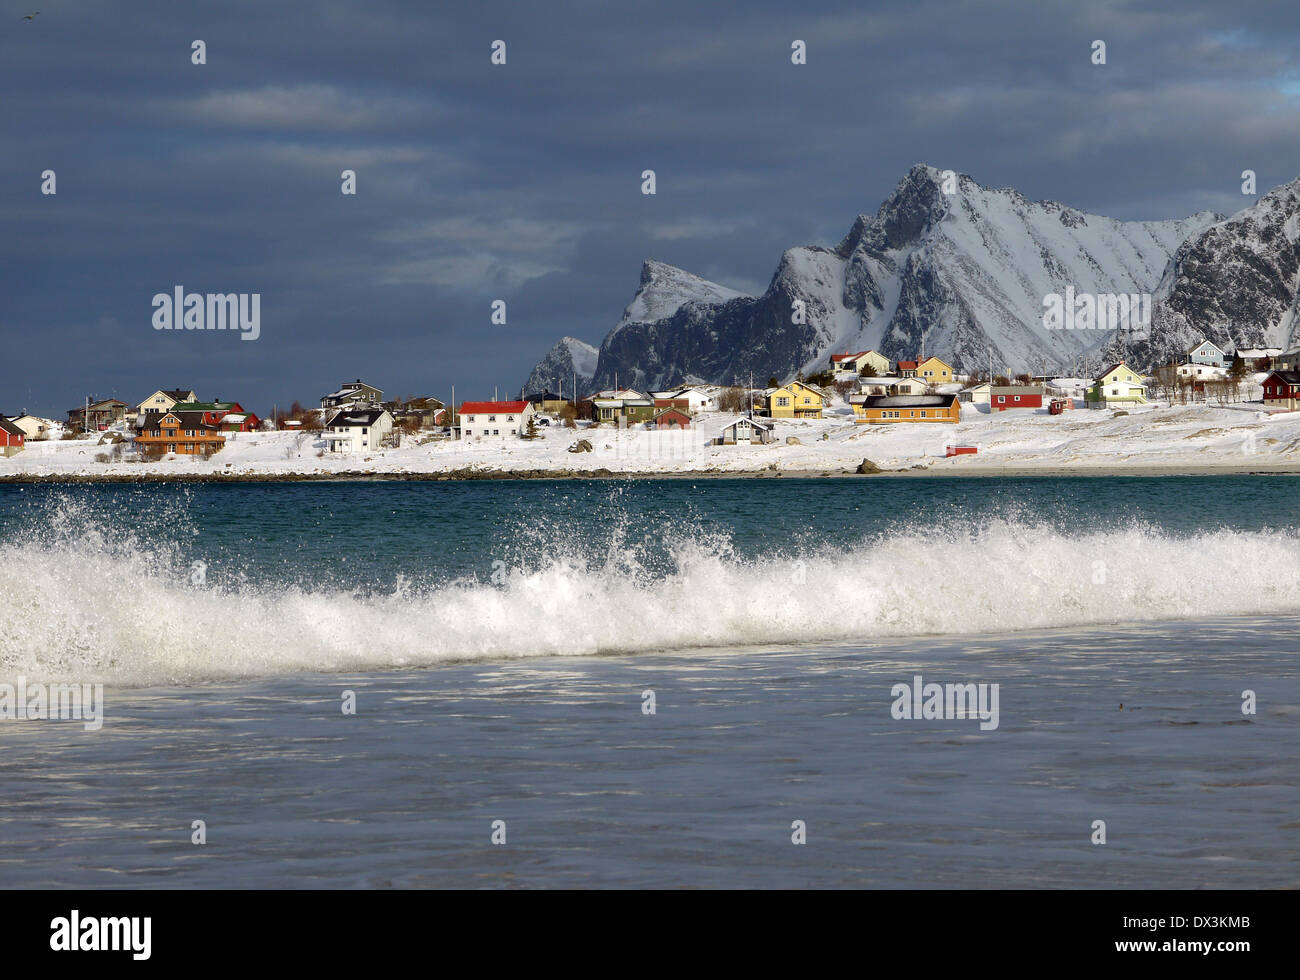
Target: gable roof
(7,426)
(1287,377)
(482,408)
(1116,366)
(907,365)
(187,420)
(908,401)
(759,423)
(204,406)
(355,416)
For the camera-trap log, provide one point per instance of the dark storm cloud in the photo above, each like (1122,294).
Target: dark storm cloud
(522,182)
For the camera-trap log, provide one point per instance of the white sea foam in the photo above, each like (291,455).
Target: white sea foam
(87,605)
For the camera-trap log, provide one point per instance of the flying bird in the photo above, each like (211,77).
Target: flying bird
(30,16)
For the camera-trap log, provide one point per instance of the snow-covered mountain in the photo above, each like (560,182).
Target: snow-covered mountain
(1236,283)
(965,273)
(567,358)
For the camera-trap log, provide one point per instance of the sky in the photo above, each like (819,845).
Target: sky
(521,182)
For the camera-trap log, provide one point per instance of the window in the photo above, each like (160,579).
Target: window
(496,432)
(492,418)
(922,413)
(782,402)
(171,433)
(510,418)
(156,432)
(1001,399)
(171,447)
(1017,398)
(364,431)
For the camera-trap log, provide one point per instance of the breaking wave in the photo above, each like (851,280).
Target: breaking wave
(84,602)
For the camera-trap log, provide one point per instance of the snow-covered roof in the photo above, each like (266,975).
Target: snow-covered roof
(352,417)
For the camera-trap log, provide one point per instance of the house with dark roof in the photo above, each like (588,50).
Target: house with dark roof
(355,430)
(873,409)
(745,430)
(12,438)
(164,400)
(353,394)
(98,415)
(1282,390)
(179,433)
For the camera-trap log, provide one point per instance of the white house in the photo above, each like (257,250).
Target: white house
(1200,372)
(699,398)
(979,394)
(892,386)
(746,430)
(35,428)
(495,420)
(357,430)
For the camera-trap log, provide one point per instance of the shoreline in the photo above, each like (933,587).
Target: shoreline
(976,471)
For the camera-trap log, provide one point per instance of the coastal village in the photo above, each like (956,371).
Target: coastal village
(355,424)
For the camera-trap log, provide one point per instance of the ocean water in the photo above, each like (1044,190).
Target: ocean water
(501,641)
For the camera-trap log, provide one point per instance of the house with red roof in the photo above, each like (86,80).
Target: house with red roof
(855,363)
(495,420)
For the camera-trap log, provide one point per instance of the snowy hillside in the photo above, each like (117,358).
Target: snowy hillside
(966,271)
(1236,283)
(567,358)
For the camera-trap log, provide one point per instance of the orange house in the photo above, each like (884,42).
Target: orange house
(905,408)
(182,433)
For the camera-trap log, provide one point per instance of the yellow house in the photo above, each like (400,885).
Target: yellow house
(795,400)
(934,371)
(856,362)
(1119,384)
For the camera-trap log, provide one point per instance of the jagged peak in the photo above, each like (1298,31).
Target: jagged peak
(666,288)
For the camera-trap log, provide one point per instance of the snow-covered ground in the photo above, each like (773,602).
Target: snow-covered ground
(1185,437)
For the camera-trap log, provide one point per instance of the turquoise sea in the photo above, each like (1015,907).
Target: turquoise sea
(504,641)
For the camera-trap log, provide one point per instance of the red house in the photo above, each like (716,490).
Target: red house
(1282,390)
(240,422)
(12,438)
(1003,397)
(672,418)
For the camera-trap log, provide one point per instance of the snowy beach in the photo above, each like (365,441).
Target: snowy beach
(1147,440)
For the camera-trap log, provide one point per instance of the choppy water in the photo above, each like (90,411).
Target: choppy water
(499,636)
